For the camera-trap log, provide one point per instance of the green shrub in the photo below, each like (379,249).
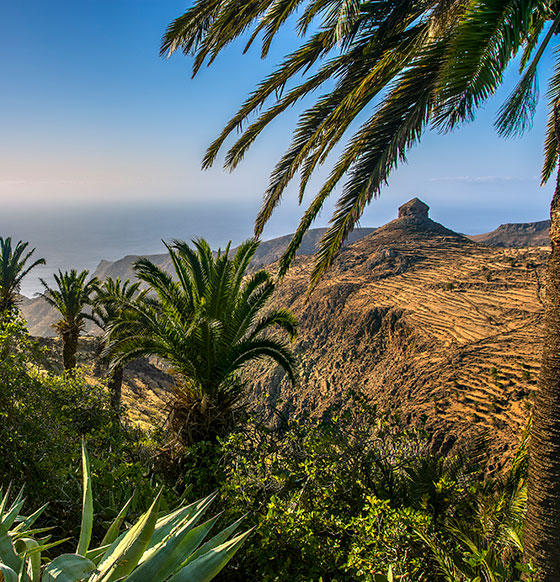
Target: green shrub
(43,417)
(359,496)
(330,499)
(156,548)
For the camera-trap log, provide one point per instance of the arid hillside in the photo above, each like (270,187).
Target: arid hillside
(526,234)
(421,319)
(424,321)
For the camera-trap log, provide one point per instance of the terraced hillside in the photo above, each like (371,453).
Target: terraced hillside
(424,321)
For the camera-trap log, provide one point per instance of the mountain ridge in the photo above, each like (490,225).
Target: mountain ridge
(424,321)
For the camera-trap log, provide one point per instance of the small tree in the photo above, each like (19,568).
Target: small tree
(108,303)
(70,299)
(13,270)
(207,326)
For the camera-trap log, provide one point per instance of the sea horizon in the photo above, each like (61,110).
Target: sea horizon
(81,237)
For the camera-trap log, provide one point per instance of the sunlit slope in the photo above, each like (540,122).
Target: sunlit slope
(421,319)
(424,321)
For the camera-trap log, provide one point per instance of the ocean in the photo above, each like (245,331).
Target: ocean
(79,237)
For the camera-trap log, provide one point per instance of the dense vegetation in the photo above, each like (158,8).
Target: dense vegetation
(356,496)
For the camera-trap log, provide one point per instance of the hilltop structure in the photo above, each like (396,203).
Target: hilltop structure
(414,209)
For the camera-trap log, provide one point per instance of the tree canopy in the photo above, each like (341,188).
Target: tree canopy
(207,323)
(399,67)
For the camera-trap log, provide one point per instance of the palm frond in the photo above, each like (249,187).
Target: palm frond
(516,115)
(376,149)
(550,149)
(484,42)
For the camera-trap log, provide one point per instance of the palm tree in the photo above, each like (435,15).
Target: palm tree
(107,306)
(70,299)
(13,270)
(207,325)
(437,62)
(366,47)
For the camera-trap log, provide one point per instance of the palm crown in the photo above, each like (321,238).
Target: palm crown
(71,297)
(109,298)
(12,270)
(207,324)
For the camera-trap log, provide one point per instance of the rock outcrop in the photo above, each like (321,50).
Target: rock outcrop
(527,234)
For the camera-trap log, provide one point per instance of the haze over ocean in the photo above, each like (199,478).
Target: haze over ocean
(102,141)
(79,237)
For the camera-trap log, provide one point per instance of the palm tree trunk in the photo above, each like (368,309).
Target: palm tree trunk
(542,525)
(115,388)
(69,349)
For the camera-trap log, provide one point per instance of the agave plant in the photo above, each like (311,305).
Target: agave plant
(156,548)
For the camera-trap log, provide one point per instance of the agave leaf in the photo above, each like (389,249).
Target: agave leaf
(166,524)
(8,573)
(26,523)
(99,560)
(23,545)
(125,556)
(87,505)
(170,555)
(8,555)
(113,532)
(68,568)
(4,499)
(206,566)
(10,517)
(43,547)
(22,574)
(18,499)
(31,533)
(96,554)
(215,541)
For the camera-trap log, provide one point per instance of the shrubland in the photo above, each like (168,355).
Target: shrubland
(358,495)
(44,416)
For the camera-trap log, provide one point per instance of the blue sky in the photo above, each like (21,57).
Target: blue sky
(93,122)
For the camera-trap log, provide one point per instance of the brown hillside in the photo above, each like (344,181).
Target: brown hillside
(527,234)
(425,321)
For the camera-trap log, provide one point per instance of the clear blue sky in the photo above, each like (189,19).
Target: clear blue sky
(94,123)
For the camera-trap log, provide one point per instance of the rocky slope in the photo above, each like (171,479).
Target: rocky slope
(421,319)
(424,321)
(527,234)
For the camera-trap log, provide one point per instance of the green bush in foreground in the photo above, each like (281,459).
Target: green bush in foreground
(43,417)
(156,548)
(359,496)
